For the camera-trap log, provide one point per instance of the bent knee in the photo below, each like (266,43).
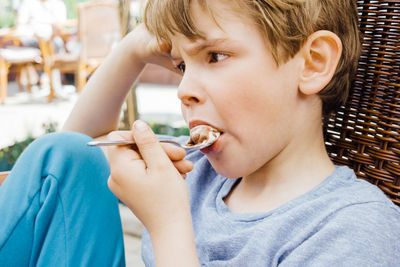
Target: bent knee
(68,152)
(66,143)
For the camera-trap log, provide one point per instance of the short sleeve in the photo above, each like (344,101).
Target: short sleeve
(365,234)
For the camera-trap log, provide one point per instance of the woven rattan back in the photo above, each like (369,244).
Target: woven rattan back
(365,133)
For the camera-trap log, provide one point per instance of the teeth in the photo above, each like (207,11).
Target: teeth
(203,134)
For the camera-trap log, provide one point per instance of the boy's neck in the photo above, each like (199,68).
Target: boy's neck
(301,166)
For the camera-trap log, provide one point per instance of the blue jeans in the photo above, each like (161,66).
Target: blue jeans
(56,208)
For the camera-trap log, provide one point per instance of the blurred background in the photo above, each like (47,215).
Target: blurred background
(48,51)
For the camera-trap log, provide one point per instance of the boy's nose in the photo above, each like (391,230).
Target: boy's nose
(190,91)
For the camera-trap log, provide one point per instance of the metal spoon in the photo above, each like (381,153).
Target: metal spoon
(204,144)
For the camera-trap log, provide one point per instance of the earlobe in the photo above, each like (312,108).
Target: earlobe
(321,54)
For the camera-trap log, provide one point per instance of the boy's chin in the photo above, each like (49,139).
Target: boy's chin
(228,170)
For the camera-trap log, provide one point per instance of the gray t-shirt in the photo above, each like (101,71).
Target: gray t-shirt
(344,221)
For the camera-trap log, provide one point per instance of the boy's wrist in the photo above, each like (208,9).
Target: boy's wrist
(174,243)
(131,50)
(171,226)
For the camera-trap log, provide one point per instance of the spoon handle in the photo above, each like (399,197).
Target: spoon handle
(123,142)
(110,143)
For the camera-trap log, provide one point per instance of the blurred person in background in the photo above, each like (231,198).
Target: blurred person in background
(39,17)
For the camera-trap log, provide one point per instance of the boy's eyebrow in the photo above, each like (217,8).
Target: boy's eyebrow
(197,47)
(203,44)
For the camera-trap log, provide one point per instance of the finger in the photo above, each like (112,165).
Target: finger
(183,166)
(174,152)
(121,135)
(113,185)
(114,153)
(149,146)
(123,161)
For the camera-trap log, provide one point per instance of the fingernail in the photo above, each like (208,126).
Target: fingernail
(140,126)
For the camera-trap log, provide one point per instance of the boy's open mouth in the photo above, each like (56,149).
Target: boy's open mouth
(203,134)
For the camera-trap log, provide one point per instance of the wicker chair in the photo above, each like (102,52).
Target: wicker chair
(365,133)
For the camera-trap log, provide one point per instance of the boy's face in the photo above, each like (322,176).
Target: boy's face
(231,82)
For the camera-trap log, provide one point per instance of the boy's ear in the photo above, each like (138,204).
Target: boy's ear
(321,53)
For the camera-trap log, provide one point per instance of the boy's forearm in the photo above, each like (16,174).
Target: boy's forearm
(98,108)
(175,246)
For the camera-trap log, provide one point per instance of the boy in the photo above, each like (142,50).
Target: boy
(263,73)
(265,193)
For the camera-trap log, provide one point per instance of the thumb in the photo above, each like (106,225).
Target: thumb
(149,147)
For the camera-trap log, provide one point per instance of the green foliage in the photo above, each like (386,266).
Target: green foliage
(166,129)
(7,16)
(49,127)
(71,5)
(10,154)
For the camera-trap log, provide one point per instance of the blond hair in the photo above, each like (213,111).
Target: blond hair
(286,25)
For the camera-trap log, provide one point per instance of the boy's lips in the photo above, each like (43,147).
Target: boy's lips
(216,146)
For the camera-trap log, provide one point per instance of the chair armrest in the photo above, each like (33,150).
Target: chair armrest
(3,176)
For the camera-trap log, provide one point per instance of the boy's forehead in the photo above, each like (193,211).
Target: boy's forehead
(213,26)
(217,11)
(196,46)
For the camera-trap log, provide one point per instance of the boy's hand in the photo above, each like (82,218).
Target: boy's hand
(174,153)
(149,180)
(146,48)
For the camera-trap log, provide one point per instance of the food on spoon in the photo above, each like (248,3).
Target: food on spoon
(203,134)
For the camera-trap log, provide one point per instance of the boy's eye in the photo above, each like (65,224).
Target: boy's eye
(216,57)
(181,67)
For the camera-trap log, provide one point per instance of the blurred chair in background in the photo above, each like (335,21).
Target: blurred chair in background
(56,62)
(98,31)
(19,50)
(95,40)
(19,59)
